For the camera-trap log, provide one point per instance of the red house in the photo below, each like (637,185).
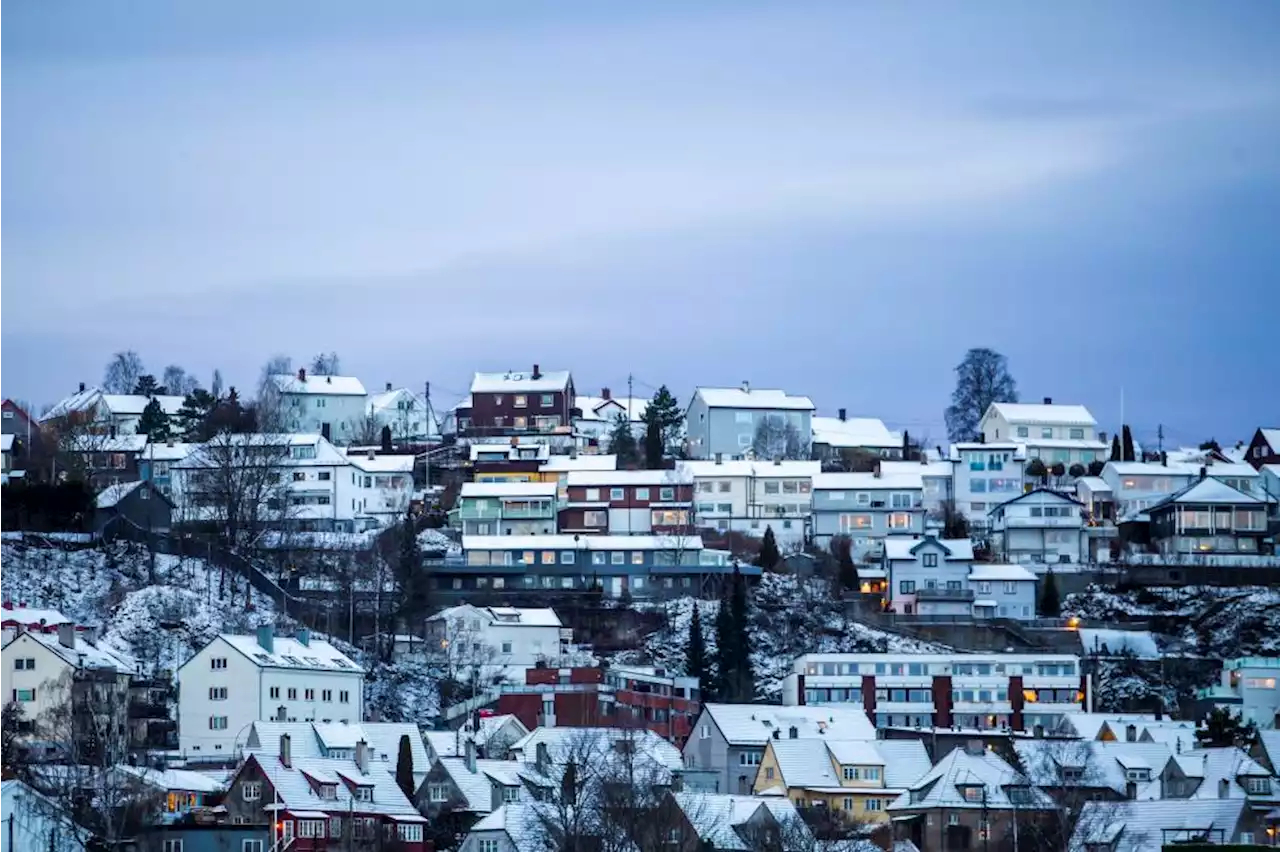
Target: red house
(517,403)
(628,502)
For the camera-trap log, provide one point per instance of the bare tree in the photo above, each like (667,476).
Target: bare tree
(122,372)
(326,364)
(1070,771)
(178,381)
(237,483)
(776,437)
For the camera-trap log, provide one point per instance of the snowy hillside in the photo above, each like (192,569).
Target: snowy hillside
(789,617)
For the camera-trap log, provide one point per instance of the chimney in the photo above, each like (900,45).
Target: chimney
(267,637)
(471,755)
(8,604)
(777,734)
(604,393)
(286,750)
(793,732)
(373,454)
(1204,472)
(169,443)
(542,758)
(1164,458)
(843,414)
(746,386)
(388,386)
(82,387)
(1048,400)
(1130,733)
(974,748)
(537,373)
(1102,436)
(719,458)
(304,637)
(67,635)
(777,460)
(573,451)
(302,374)
(1224,788)
(362,757)
(876,472)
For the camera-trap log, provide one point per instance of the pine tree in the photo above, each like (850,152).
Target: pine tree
(1126,443)
(1050,604)
(622,443)
(1115,448)
(147,386)
(725,654)
(653,447)
(666,410)
(1224,729)
(695,655)
(743,678)
(194,415)
(154,423)
(404,768)
(842,549)
(769,555)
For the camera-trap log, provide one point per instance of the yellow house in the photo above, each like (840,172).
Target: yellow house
(856,779)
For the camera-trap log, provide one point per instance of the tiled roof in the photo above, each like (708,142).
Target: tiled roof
(905,762)
(296,794)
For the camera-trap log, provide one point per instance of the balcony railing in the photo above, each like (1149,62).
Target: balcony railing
(944,594)
(1022,522)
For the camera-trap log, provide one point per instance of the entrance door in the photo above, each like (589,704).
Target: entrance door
(615,587)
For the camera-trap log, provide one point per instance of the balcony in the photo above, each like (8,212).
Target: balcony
(1020,522)
(944,595)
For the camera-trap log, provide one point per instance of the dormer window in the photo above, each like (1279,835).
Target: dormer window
(328,791)
(1257,786)
(364,794)
(1019,795)
(971,792)
(1071,773)
(1137,775)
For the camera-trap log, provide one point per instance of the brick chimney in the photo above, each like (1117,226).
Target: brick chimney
(604,393)
(302,374)
(286,751)
(537,373)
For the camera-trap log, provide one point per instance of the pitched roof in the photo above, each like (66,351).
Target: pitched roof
(33,616)
(295,792)
(940,787)
(31,819)
(754,724)
(288,653)
(867,482)
(1141,826)
(79,401)
(1036,413)
(6,442)
(745,467)
(716,816)
(477,787)
(506,615)
(906,547)
(327,385)
(1215,765)
(599,408)
(853,432)
(516,382)
(756,398)
(1272,437)
(1088,725)
(165,451)
(905,762)
(86,654)
(1100,764)
(120,403)
(620,478)
(113,494)
(175,779)
(599,742)
(1208,490)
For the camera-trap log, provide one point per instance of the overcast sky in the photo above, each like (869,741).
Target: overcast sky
(838,199)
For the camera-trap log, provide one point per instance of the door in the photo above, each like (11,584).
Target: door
(286,832)
(615,587)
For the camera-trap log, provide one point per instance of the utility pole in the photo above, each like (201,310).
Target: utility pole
(1160,438)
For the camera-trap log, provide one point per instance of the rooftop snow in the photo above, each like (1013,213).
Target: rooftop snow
(296,793)
(1037,414)
(1140,826)
(754,724)
(867,482)
(166,451)
(1140,643)
(507,616)
(382,464)
(900,547)
(175,779)
(854,432)
(756,398)
(599,408)
(515,382)
(586,542)
(6,443)
(934,468)
(940,788)
(113,494)
(508,490)
(326,385)
(715,815)
(557,464)
(1095,484)
(33,616)
(1208,491)
(987,572)
(289,653)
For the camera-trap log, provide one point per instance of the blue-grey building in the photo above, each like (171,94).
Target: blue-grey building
(154,462)
(867,507)
(731,422)
(197,837)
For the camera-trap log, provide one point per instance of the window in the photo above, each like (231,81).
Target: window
(488,846)
(851,773)
(1046,432)
(723,486)
(252,845)
(344,696)
(438,793)
(309,695)
(593,495)
(642,493)
(566,582)
(566,557)
(899,521)
(617,558)
(547,400)
(218,663)
(900,501)
(1258,786)
(750,758)
(24,695)
(594,519)
(724,508)
(971,793)
(292,694)
(907,587)
(706,486)
(510,794)
(299,476)
(519,422)
(637,557)
(409,832)
(1076,434)
(521,401)
(217,723)
(326,695)
(217,693)
(29,664)
(548,557)
(364,794)
(251,791)
(931,560)
(1010,587)
(617,493)
(172,844)
(311,828)
(325,475)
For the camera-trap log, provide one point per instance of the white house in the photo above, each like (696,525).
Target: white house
(116,414)
(236,680)
(332,406)
(929,576)
(1051,433)
(836,436)
(504,636)
(1137,486)
(595,415)
(1003,591)
(41,670)
(408,415)
(985,475)
(1040,526)
(725,421)
(1248,687)
(383,487)
(867,507)
(749,496)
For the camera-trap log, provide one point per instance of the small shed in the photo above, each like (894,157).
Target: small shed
(137,504)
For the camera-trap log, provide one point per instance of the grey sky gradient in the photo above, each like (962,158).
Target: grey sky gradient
(836,198)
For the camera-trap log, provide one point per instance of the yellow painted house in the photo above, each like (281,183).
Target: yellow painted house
(854,778)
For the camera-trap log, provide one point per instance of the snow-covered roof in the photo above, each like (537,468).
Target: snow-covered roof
(743,467)
(586,542)
(517,382)
(296,793)
(175,779)
(1019,450)
(137,403)
(1142,826)
(108,444)
(1095,484)
(1100,764)
(111,495)
(906,547)
(80,401)
(508,490)
(32,616)
(31,819)
(85,654)
(927,468)
(941,786)
(6,443)
(271,448)
(289,653)
(757,398)
(476,787)
(619,478)
(1140,643)
(557,464)
(327,385)
(1272,437)
(383,739)
(1216,765)
(992,572)
(166,451)
(1208,491)
(599,408)
(754,724)
(508,616)
(905,762)
(1066,443)
(867,482)
(510,452)
(854,432)
(1088,726)
(599,743)
(1037,414)
(717,816)
(382,464)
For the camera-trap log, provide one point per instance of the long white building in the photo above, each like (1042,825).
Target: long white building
(237,680)
(748,496)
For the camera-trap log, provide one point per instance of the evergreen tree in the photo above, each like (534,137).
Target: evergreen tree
(404,768)
(653,446)
(769,555)
(725,654)
(154,423)
(1050,604)
(1115,448)
(1126,444)
(666,410)
(1076,470)
(622,443)
(1095,467)
(1224,729)
(1036,469)
(410,576)
(695,655)
(194,415)
(147,386)
(842,549)
(981,379)
(743,681)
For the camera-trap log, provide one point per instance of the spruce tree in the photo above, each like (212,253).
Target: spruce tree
(622,443)
(147,386)
(725,654)
(1126,443)
(1050,604)
(404,768)
(154,423)
(194,415)
(1115,448)
(666,410)
(769,555)
(743,679)
(653,446)
(695,654)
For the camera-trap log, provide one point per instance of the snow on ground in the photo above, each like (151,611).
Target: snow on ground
(433,539)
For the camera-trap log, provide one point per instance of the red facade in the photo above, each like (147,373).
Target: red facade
(516,410)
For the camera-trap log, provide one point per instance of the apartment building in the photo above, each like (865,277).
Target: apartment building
(1021,692)
(236,680)
(867,507)
(984,476)
(733,422)
(1051,433)
(627,502)
(506,508)
(749,496)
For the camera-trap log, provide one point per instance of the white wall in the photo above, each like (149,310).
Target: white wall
(49,667)
(345,414)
